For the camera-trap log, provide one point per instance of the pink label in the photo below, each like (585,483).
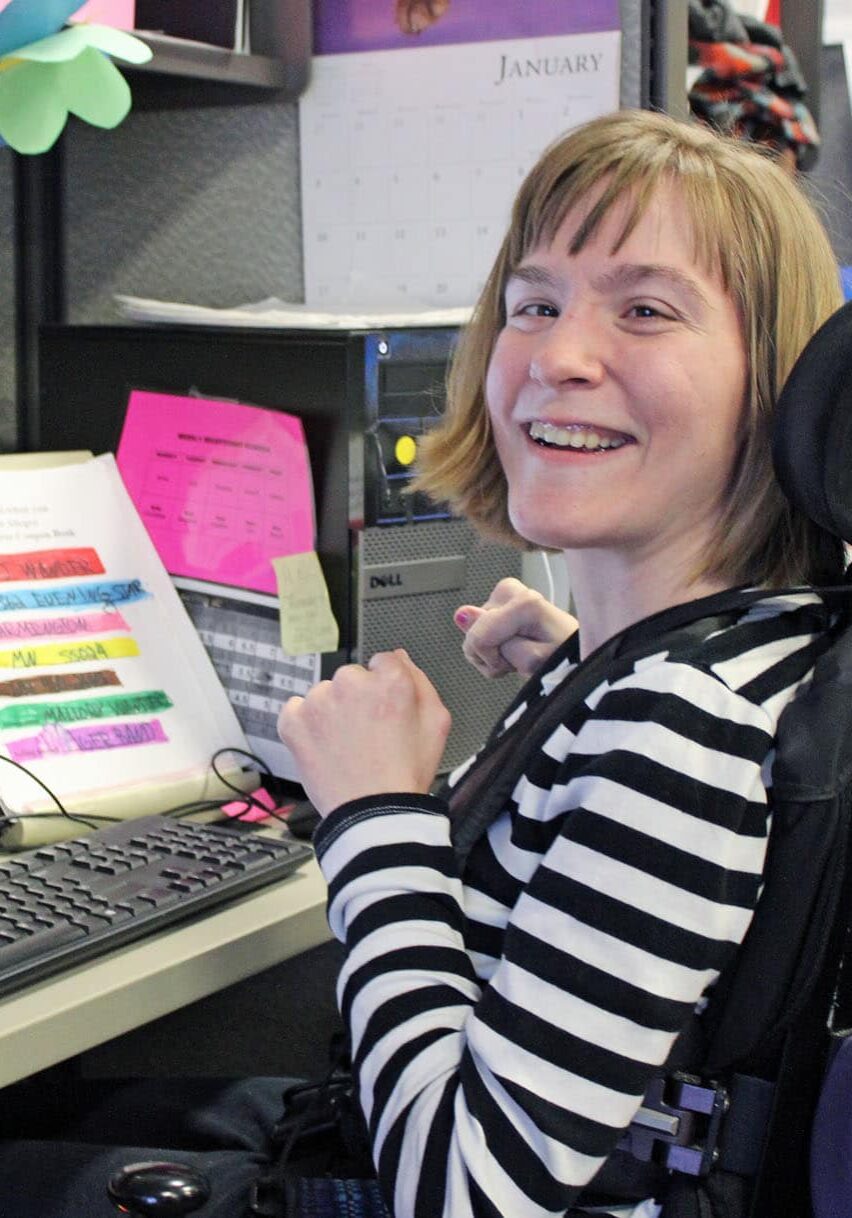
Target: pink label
(222,488)
(58,627)
(55,739)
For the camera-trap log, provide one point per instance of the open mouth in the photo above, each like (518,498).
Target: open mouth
(577,437)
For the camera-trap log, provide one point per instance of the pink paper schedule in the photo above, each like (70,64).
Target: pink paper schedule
(223,488)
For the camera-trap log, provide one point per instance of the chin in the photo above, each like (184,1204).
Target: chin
(540,534)
(547,520)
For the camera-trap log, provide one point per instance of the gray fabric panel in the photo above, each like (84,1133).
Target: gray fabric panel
(631,53)
(198,205)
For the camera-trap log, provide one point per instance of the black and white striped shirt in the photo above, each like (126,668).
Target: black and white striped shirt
(505,1022)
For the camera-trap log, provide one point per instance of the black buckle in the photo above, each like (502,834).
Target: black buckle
(678,1124)
(311,1108)
(266,1198)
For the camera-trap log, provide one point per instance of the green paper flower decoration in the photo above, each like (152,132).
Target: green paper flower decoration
(70,72)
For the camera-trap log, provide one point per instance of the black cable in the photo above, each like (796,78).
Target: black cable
(264,769)
(63,811)
(246,795)
(199,805)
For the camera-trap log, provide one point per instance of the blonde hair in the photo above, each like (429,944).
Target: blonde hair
(752,221)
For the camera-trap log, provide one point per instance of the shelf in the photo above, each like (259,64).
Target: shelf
(178,57)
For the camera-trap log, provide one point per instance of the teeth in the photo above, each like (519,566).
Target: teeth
(575,436)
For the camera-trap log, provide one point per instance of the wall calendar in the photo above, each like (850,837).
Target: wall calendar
(414,141)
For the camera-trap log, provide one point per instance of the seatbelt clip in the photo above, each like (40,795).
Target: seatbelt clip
(678,1125)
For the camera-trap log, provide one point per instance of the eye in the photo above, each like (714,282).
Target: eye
(537,309)
(645,311)
(527,314)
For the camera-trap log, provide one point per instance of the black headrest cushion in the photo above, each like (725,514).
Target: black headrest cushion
(812,432)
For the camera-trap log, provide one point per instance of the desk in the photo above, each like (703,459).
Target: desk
(86,1006)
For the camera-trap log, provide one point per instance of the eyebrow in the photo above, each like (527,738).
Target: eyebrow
(535,276)
(628,275)
(633,274)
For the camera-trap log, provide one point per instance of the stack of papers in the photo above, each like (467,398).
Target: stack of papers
(284,315)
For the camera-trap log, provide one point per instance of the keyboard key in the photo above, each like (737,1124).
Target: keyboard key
(59,936)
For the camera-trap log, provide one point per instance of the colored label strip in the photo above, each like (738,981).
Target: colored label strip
(53,627)
(54,739)
(108,592)
(57,683)
(71,653)
(34,714)
(50,564)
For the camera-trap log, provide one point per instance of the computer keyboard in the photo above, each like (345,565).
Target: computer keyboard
(63,904)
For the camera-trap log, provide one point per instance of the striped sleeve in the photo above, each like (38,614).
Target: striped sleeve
(505,1095)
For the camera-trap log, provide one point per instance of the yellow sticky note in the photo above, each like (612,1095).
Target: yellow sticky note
(307,623)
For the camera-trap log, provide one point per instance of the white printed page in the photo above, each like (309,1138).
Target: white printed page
(105,687)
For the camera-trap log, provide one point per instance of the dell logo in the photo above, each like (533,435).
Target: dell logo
(394,580)
(414,578)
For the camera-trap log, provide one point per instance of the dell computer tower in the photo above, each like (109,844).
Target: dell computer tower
(396,565)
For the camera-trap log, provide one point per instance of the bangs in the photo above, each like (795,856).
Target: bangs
(631,182)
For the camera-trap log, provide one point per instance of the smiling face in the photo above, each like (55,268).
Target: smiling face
(616,388)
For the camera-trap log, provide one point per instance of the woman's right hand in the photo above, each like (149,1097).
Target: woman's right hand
(514,631)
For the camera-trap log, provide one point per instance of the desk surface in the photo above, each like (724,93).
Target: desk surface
(105,997)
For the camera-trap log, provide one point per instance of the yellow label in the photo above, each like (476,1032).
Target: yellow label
(307,622)
(78,652)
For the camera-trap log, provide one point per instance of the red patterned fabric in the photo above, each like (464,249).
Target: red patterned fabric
(751,88)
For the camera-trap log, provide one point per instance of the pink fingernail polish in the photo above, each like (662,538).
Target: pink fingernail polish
(462,618)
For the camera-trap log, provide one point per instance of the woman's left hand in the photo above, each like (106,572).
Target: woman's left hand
(368,731)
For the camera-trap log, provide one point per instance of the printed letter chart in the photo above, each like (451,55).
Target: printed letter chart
(224,489)
(413,146)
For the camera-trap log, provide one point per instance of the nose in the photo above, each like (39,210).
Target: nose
(569,351)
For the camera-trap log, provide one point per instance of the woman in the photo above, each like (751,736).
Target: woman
(611,399)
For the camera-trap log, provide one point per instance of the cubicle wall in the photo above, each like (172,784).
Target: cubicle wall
(195,196)
(201,204)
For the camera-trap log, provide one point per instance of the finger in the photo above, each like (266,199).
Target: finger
(487,661)
(524,656)
(427,696)
(422,684)
(287,716)
(418,676)
(386,661)
(391,676)
(502,592)
(506,590)
(526,614)
(466,615)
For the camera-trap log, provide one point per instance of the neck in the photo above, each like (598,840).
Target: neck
(610,593)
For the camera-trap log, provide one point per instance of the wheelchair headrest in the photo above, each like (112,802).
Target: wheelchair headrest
(812,432)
